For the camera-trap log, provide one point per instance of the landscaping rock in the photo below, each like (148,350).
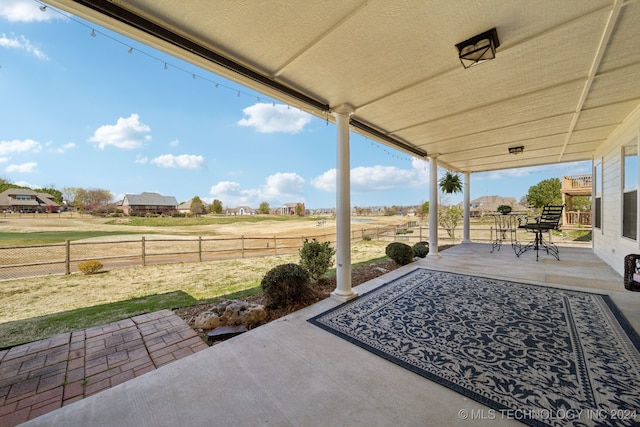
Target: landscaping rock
(231,312)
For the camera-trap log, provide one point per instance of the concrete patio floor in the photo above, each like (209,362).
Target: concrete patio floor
(292,373)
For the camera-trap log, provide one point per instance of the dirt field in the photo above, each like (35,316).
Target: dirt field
(66,222)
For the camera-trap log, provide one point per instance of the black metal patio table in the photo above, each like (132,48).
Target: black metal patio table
(506,226)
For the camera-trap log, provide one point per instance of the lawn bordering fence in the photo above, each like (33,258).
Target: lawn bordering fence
(63,258)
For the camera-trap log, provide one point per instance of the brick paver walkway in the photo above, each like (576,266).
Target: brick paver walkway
(41,376)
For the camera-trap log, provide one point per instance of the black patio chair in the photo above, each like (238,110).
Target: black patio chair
(548,220)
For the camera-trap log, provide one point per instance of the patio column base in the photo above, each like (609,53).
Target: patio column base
(343,298)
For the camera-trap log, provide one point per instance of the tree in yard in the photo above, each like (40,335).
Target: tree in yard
(264,208)
(359,211)
(215,207)
(392,211)
(449,218)
(5,185)
(424,209)
(581,203)
(545,192)
(197,207)
(91,199)
(68,195)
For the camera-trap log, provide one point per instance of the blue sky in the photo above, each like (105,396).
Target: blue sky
(106,112)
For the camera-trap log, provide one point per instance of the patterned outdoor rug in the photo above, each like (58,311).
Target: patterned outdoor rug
(543,356)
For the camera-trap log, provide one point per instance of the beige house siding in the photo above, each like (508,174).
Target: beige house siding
(608,242)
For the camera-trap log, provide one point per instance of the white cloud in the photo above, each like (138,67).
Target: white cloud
(127,133)
(174,143)
(231,195)
(21,42)
(18,146)
(268,118)
(183,161)
(140,159)
(284,187)
(24,11)
(4,159)
(28,167)
(279,188)
(66,147)
(377,178)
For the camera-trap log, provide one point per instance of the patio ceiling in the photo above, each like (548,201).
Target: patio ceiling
(566,73)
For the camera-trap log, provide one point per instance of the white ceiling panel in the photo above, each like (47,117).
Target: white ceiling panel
(559,63)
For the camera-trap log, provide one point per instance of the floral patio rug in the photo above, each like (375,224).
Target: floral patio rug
(543,355)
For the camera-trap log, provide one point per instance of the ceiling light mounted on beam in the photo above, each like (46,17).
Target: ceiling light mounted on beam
(516,150)
(478,48)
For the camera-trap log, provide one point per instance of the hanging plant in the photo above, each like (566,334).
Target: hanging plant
(450,183)
(504,209)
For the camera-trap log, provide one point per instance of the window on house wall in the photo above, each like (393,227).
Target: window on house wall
(597,211)
(630,190)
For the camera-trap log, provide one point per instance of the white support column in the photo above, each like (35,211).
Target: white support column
(433,206)
(466,232)
(343,291)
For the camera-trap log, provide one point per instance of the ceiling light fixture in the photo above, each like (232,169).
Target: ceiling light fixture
(516,150)
(478,48)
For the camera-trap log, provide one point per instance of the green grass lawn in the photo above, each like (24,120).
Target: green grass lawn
(47,237)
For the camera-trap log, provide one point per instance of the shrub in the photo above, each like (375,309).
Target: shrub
(399,252)
(401,232)
(421,249)
(284,285)
(90,267)
(316,257)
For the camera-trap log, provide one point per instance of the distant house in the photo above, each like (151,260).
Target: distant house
(489,204)
(27,201)
(241,210)
(149,203)
(289,209)
(185,207)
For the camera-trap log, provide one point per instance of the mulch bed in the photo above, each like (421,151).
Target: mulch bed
(319,290)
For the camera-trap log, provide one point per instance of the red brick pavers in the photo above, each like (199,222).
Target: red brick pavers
(41,376)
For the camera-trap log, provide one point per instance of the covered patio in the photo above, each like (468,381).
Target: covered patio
(563,83)
(292,373)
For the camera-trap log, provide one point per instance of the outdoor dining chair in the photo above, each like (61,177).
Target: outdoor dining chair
(548,220)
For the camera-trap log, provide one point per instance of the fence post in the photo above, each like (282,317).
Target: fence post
(144,261)
(67,257)
(275,245)
(199,248)
(242,245)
